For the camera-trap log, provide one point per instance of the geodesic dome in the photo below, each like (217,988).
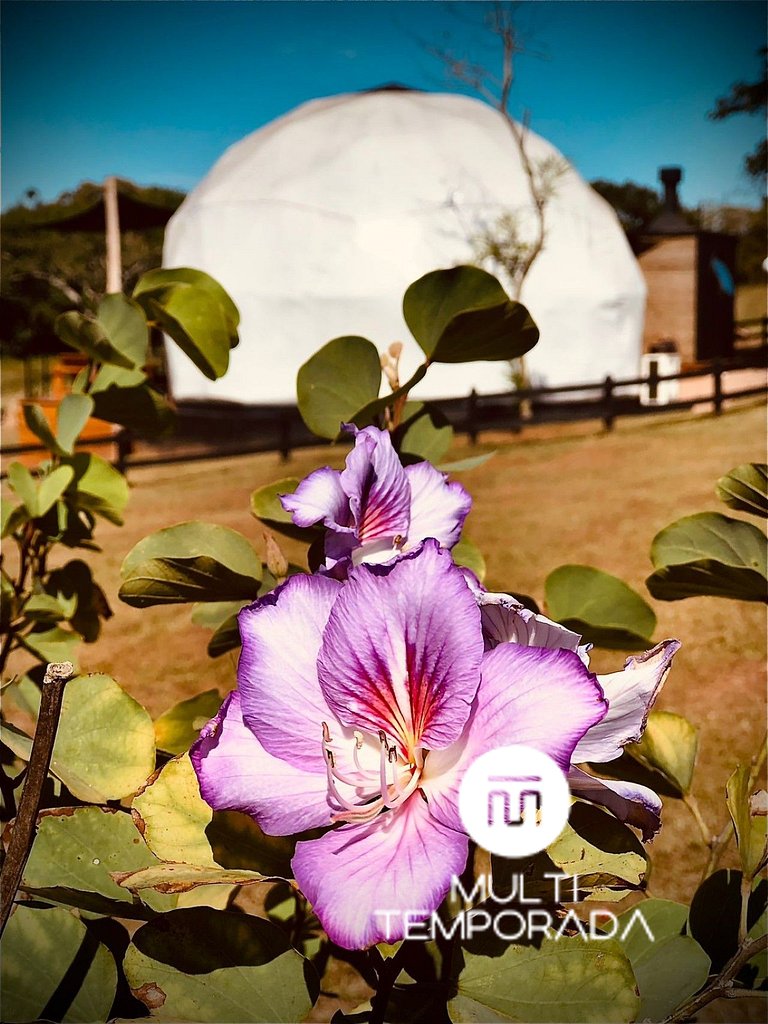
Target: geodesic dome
(318,222)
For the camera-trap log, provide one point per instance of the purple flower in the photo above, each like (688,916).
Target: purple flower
(360,706)
(375,509)
(630,695)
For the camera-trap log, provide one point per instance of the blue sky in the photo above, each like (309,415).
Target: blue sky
(156,90)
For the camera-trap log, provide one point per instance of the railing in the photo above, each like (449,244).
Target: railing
(280,429)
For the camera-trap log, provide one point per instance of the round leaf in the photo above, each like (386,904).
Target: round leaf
(425,433)
(265,505)
(79,847)
(190,562)
(669,968)
(178,728)
(161,279)
(208,965)
(463,314)
(465,553)
(709,553)
(100,488)
(196,321)
(669,746)
(713,918)
(598,849)
(565,980)
(126,327)
(173,817)
(40,950)
(86,757)
(750,828)
(746,488)
(91,337)
(606,611)
(337,382)
(140,408)
(73,414)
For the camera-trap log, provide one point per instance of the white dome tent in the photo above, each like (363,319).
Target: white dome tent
(318,222)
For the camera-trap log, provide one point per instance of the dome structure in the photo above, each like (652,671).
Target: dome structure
(318,222)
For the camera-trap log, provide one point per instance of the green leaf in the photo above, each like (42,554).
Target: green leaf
(47,608)
(226,638)
(669,746)
(745,488)
(172,816)
(161,279)
(465,553)
(126,327)
(713,918)
(669,968)
(86,757)
(238,842)
(75,582)
(13,517)
(178,728)
(50,951)
(55,644)
(265,506)
(601,607)
(90,336)
(598,849)
(176,878)
(709,553)
(35,419)
(72,416)
(197,323)
(101,488)
(462,465)
(193,539)
(141,408)
(750,826)
(212,614)
(190,562)
(424,433)
(51,488)
(463,314)
(336,383)
(78,848)
(566,980)
(209,965)
(39,497)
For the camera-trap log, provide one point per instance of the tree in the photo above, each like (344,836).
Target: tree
(45,273)
(748,98)
(635,205)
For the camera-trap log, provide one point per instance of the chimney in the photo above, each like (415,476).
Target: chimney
(670,178)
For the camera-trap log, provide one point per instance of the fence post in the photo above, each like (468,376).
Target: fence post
(717,395)
(608,414)
(285,435)
(124,449)
(653,380)
(472,416)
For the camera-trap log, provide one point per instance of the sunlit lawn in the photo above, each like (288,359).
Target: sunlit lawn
(542,501)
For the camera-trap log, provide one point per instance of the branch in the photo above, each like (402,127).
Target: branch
(722,985)
(57,675)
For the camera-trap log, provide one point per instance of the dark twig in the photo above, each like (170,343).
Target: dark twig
(23,834)
(722,985)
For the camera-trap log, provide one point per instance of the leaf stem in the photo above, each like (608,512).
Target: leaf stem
(387,973)
(692,804)
(57,675)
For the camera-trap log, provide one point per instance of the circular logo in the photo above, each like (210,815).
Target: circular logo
(514,801)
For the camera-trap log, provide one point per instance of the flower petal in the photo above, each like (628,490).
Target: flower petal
(438,507)
(236,773)
(402,648)
(277,676)
(319,498)
(628,801)
(630,695)
(376,485)
(505,620)
(401,861)
(528,695)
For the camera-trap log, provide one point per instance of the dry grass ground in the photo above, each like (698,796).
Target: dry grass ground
(549,497)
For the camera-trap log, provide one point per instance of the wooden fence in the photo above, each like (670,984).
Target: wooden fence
(209,431)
